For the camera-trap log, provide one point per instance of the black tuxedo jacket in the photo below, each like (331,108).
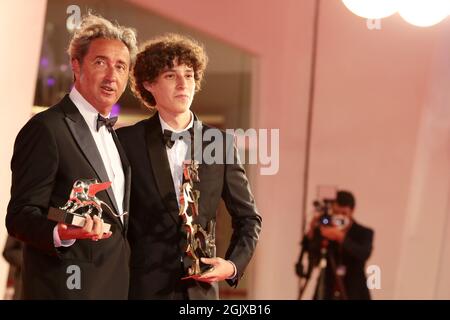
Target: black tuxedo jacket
(156,235)
(52,150)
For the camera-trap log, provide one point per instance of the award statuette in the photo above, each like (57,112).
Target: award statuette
(200,242)
(82,202)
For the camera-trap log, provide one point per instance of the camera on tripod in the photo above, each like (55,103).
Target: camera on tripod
(326,216)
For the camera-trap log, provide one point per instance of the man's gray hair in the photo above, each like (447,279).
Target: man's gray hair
(95,27)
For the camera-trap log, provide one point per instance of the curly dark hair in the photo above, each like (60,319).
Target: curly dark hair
(158,54)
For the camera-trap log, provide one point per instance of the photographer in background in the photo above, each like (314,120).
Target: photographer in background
(340,246)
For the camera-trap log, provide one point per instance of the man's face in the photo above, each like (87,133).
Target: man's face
(102,76)
(344,211)
(173,90)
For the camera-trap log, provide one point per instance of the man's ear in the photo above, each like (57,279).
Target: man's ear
(148,86)
(76,68)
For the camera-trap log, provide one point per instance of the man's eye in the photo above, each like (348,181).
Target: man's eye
(190,75)
(169,76)
(99,62)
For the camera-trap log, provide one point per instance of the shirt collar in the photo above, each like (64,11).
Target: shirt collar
(89,113)
(165,126)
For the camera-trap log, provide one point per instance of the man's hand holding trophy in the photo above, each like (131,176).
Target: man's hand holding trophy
(81,216)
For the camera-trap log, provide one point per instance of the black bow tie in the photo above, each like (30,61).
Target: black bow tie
(169,137)
(107,122)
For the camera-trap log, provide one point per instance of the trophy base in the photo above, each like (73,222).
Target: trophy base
(59,215)
(199,274)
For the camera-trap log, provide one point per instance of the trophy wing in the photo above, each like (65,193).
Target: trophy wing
(94,188)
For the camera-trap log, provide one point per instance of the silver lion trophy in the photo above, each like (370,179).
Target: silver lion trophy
(200,242)
(82,202)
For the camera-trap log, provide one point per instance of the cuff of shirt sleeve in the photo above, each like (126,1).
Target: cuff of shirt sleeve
(61,243)
(235,270)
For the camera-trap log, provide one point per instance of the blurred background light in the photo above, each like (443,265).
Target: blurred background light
(421,13)
(424,13)
(372,9)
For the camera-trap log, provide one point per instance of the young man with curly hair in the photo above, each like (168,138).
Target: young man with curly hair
(168,72)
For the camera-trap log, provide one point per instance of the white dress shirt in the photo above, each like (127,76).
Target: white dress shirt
(176,155)
(108,152)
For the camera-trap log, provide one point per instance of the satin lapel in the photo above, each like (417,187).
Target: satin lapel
(127,172)
(160,166)
(197,153)
(85,141)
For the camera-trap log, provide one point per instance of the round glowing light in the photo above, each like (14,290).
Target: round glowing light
(424,13)
(372,9)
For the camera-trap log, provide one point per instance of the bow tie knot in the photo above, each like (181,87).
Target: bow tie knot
(169,137)
(107,122)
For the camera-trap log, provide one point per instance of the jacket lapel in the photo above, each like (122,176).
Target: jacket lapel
(127,172)
(85,141)
(160,166)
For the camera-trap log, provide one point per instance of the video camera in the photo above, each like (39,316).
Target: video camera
(327,218)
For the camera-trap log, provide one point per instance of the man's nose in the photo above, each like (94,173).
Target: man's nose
(110,74)
(181,82)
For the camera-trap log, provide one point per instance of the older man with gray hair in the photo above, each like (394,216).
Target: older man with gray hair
(75,140)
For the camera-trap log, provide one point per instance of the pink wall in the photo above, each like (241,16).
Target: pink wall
(371,90)
(21,26)
(425,256)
